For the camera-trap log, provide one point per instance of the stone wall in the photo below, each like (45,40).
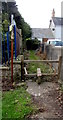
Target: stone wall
(6,74)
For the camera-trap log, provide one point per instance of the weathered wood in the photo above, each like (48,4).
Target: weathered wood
(43,74)
(22,67)
(25,70)
(38,72)
(38,76)
(16,62)
(28,61)
(59,66)
(45,61)
(4,68)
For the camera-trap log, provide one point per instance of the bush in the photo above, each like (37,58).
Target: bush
(32,44)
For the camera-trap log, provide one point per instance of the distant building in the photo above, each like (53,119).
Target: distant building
(42,34)
(56,25)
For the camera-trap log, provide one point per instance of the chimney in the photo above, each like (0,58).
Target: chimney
(53,13)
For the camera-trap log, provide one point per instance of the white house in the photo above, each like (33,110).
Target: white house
(56,25)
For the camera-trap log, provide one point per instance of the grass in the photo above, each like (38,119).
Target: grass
(32,55)
(16,104)
(32,67)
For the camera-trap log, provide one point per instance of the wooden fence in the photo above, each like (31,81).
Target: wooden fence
(18,41)
(24,72)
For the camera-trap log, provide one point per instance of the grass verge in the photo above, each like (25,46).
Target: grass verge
(32,67)
(17,104)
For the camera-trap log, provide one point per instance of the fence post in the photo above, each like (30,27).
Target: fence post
(59,66)
(22,67)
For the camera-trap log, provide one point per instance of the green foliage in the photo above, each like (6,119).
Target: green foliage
(32,44)
(11,8)
(32,67)
(5,22)
(26,30)
(5,25)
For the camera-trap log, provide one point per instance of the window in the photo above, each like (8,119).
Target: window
(53,29)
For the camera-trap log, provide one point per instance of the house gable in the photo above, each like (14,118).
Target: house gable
(56,24)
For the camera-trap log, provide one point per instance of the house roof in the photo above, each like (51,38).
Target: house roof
(58,20)
(42,33)
(8,1)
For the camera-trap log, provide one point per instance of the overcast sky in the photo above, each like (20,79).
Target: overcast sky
(37,13)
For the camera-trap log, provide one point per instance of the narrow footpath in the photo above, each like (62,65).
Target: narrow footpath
(47,97)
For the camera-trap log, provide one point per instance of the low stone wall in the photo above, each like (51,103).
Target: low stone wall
(53,53)
(6,74)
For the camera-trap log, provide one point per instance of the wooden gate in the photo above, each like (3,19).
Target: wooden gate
(24,72)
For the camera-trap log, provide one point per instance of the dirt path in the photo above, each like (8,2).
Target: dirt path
(47,98)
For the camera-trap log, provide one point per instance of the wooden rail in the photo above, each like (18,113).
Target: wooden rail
(43,74)
(24,71)
(4,68)
(59,61)
(29,61)
(16,62)
(45,61)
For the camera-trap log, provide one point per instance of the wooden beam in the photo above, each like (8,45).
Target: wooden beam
(46,61)
(16,62)
(28,61)
(43,74)
(4,68)
(39,72)
(59,66)
(25,70)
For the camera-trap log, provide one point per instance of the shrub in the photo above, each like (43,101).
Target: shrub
(32,44)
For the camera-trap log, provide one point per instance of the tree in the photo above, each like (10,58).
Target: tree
(11,8)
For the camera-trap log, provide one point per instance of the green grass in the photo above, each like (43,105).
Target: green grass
(32,55)
(32,67)
(16,104)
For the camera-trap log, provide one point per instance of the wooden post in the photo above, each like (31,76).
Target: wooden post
(59,66)
(38,75)
(12,38)
(22,67)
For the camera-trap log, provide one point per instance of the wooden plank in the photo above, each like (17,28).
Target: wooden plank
(30,75)
(16,62)
(43,74)
(28,61)
(38,72)
(59,66)
(4,68)
(25,70)
(46,61)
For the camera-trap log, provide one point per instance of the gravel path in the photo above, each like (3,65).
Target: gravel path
(47,98)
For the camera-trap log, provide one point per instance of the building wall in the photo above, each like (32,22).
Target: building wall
(58,32)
